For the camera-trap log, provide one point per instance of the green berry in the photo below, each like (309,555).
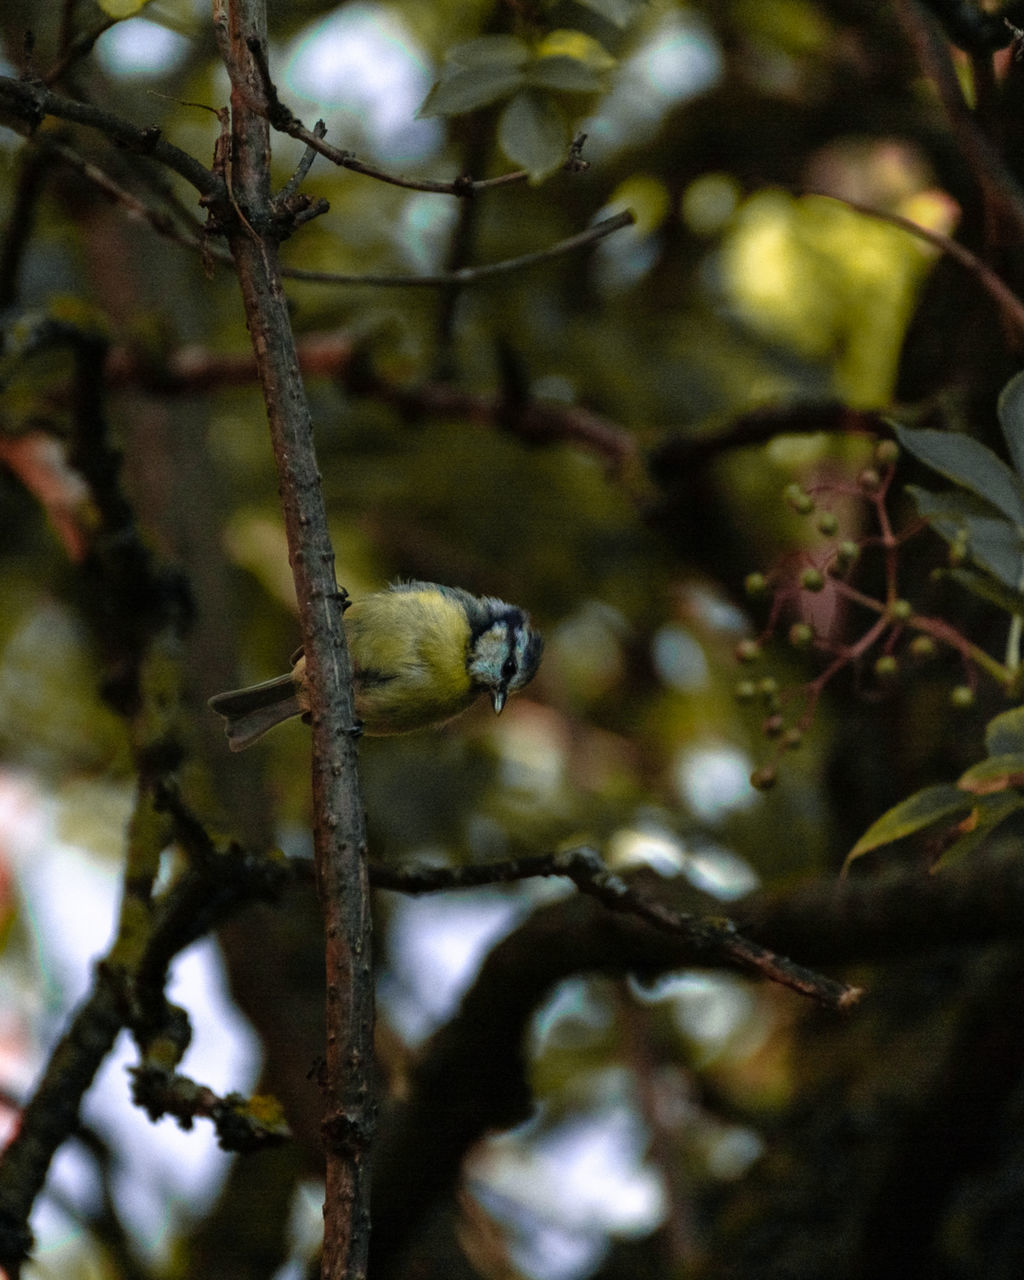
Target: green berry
(799,499)
(887,453)
(828,524)
(768,687)
(962,697)
(755,585)
(886,667)
(922,647)
(869,480)
(812,580)
(745,691)
(847,554)
(792,739)
(801,635)
(900,611)
(747,651)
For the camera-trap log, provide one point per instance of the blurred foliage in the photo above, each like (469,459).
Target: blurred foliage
(747,138)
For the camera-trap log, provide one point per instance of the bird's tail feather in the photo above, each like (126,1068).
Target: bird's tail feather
(251,712)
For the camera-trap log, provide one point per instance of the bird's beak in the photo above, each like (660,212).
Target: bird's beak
(498,696)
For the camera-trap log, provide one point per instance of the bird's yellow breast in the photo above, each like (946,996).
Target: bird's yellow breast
(409,651)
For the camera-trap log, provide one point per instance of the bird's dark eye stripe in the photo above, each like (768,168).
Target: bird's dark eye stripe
(508,668)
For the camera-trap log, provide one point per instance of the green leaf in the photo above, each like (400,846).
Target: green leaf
(985,587)
(991,541)
(534,133)
(997,773)
(470,88)
(913,814)
(967,463)
(1011,419)
(566,74)
(618,12)
(1004,734)
(490,51)
(990,811)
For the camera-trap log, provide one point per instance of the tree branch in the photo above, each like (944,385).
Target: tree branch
(192,236)
(472,1077)
(130,976)
(678,456)
(339,830)
(192,370)
(28,102)
(165,225)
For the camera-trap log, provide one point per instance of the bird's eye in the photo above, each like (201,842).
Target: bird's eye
(508,668)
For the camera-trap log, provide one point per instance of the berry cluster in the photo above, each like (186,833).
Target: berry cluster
(814,592)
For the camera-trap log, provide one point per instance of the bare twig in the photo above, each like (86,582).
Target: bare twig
(346,160)
(76,48)
(474,275)
(303,167)
(969,26)
(164,224)
(20,224)
(1003,195)
(1011,306)
(160,220)
(714,939)
(241,1124)
(282,119)
(29,102)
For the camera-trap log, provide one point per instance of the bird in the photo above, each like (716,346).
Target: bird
(421,654)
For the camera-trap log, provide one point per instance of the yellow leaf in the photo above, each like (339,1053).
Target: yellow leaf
(122,8)
(574,44)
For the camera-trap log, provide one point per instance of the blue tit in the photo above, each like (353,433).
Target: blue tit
(420,653)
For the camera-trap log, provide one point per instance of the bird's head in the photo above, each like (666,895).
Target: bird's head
(504,651)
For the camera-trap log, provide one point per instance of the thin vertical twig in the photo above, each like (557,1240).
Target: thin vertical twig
(339,827)
(15,236)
